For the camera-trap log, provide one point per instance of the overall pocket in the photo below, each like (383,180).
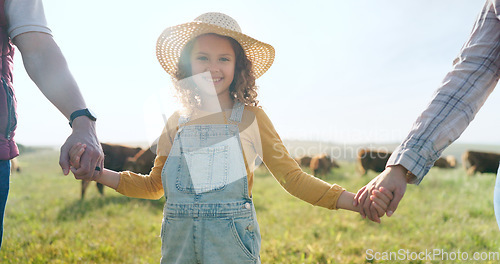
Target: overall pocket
(230,240)
(203,170)
(243,231)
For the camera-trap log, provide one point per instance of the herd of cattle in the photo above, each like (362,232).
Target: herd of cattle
(122,158)
(473,162)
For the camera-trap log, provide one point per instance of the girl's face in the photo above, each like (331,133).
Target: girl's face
(214,54)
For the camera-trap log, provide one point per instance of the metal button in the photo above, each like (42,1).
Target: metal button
(247,206)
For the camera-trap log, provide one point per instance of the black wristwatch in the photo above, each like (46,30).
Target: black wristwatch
(82,112)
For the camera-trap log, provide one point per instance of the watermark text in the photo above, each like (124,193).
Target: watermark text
(431,255)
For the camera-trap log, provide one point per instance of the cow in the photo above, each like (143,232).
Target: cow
(334,163)
(446,162)
(475,161)
(372,160)
(320,164)
(304,161)
(142,162)
(115,157)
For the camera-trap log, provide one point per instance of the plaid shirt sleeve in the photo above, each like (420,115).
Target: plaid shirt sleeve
(463,91)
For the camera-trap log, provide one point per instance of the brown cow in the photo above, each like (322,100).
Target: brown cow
(475,161)
(372,160)
(142,162)
(304,161)
(320,164)
(334,163)
(115,157)
(446,162)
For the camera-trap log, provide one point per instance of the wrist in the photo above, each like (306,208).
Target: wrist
(83,123)
(401,171)
(345,201)
(82,113)
(98,177)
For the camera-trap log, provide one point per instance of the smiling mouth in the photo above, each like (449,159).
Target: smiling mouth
(213,80)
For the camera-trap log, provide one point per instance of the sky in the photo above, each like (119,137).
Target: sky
(344,72)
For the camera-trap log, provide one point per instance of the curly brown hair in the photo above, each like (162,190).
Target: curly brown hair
(242,88)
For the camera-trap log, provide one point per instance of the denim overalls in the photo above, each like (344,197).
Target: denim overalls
(208,216)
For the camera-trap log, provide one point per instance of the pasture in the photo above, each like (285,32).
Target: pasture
(448,215)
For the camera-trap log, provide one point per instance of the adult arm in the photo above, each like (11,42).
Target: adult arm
(454,105)
(47,67)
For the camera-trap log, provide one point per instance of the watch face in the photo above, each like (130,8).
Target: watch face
(92,113)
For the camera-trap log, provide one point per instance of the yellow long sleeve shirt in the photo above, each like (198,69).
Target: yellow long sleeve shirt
(258,139)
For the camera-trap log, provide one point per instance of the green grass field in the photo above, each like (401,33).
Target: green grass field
(46,222)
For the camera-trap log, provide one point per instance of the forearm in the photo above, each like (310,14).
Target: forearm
(455,104)
(445,119)
(47,67)
(109,178)
(346,200)
(143,186)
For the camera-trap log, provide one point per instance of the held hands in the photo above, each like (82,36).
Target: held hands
(75,155)
(92,157)
(379,200)
(392,180)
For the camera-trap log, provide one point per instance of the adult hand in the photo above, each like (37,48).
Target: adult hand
(83,132)
(393,179)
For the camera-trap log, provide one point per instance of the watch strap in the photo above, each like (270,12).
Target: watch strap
(81,112)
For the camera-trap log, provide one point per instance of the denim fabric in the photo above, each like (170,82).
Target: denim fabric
(4,191)
(496,198)
(208,215)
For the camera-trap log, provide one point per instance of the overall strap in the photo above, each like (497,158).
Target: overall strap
(236,115)
(237,112)
(183,120)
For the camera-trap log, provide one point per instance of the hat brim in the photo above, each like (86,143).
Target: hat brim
(173,39)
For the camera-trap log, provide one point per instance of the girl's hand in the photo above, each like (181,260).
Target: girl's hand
(75,153)
(380,200)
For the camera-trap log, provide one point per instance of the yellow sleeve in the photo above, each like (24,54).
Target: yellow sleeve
(143,186)
(150,186)
(289,174)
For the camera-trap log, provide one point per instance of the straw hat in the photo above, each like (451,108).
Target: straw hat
(173,39)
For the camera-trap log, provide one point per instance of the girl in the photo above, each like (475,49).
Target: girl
(208,150)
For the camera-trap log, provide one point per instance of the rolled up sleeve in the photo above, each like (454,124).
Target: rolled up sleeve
(455,104)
